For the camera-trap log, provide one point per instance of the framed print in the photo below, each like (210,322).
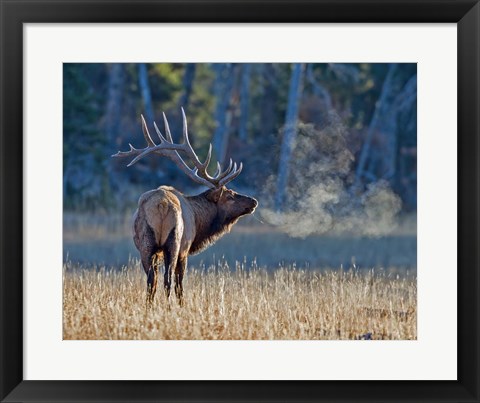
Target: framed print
(315,233)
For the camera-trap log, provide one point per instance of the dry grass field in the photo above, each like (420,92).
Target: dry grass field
(255,283)
(243,303)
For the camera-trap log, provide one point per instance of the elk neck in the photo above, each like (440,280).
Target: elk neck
(209,224)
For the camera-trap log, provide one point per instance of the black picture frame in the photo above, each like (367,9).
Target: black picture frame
(14,13)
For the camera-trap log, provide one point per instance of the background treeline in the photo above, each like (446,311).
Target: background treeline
(275,118)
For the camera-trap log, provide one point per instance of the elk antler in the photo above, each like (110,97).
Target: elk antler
(167,148)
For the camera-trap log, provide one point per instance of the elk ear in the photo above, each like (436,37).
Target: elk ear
(215,195)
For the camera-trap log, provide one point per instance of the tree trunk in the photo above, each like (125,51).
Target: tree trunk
(405,119)
(244,100)
(380,108)
(146,93)
(188,78)
(116,79)
(224,81)
(318,89)
(290,131)
(267,107)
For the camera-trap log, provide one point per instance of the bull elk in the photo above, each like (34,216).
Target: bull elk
(170,226)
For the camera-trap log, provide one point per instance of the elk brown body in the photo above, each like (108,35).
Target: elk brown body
(169,226)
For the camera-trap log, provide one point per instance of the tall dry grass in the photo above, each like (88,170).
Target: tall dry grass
(241,303)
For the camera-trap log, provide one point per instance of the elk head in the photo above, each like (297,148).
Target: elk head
(231,205)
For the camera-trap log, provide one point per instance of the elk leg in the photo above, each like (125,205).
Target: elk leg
(149,262)
(170,252)
(152,276)
(144,240)
(179,273)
